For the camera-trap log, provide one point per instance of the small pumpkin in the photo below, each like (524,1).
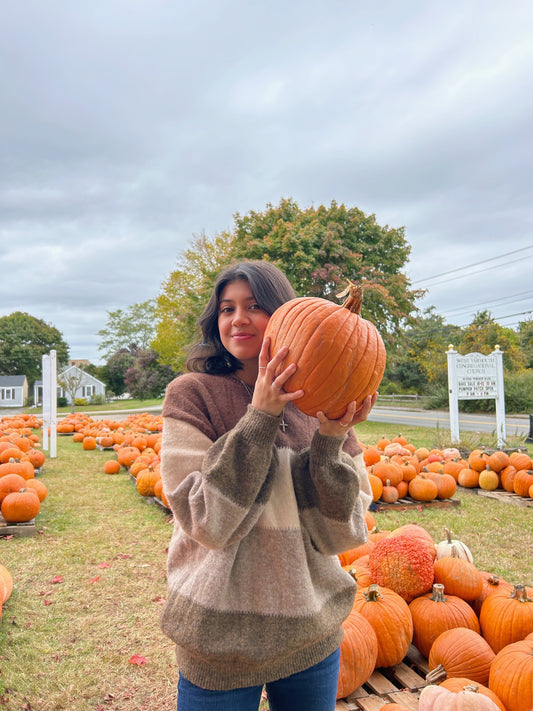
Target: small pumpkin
(20,506)
(452,545)
(389,493)
(39,487)
(459,577)
(340,355)
(111,466)
(10,483)
(489,479)
(422,488)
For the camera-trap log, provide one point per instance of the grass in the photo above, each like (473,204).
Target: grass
(67,645)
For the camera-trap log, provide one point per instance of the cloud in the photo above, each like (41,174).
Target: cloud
(129,127)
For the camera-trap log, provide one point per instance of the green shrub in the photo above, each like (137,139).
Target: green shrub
(80,401)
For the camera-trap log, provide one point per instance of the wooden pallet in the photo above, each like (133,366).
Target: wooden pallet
(408,503)
(506,497)
(25,529)
(399,684)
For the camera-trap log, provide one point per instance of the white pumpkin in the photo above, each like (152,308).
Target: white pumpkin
(437,698)
(451,547)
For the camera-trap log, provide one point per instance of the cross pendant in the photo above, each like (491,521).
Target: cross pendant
(283,425)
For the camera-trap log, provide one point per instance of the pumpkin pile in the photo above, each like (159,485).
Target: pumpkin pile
(475,629)
(398,470)
(21,493)
(135,441)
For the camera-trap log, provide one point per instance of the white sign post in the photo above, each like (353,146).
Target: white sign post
(49,363)
(472,377)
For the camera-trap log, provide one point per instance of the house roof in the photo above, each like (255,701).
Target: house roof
(87,376)
(9,381)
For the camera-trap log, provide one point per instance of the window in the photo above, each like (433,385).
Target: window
(88,390)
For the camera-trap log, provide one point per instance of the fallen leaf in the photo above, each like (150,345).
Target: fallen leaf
(104,565)
(93,580)
(48,602)
(57,579)
(138,660)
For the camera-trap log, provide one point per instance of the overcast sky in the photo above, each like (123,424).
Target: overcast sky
(130,126)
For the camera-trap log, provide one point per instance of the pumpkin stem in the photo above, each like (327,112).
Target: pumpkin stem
(520,593)
(354,294)
(448,535)
(435,676)
(438,593)
(472,687)
(373,593)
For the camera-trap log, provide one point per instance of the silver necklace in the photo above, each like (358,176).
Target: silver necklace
(250,392)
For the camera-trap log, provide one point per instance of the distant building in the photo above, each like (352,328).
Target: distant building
(80,362)
(13,390)
(89,386)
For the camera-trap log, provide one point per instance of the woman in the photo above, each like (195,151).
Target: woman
(263,498)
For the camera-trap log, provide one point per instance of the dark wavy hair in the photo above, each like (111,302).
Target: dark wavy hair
(270,288)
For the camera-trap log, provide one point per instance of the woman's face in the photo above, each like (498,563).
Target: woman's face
(241,322)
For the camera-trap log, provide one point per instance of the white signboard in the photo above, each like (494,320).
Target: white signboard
(50,402)
(472,377)
(476,376)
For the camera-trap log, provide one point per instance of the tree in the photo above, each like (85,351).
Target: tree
(321,248)
(484,334)
(131,328)
(114,371)
(418,358)
(318,248)
(147,378)
(24,339)
(525,330)
(71,381)
(184,294)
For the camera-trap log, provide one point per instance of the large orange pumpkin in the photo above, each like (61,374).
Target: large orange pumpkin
(511,675)
(433,613)
(359,651)
(389,615)
(507,617)
(340,355)
(460,652)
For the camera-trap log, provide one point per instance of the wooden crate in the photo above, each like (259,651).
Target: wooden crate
(400,684)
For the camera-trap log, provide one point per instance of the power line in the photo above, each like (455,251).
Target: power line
(474,264)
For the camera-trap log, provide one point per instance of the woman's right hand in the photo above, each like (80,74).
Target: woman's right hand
(269,395)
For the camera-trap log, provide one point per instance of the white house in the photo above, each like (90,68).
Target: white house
(13,390)
(87,386)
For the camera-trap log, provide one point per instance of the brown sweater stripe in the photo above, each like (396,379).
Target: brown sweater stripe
(256,591)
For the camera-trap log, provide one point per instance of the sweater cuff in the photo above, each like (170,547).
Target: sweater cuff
(259,427)
(325,447)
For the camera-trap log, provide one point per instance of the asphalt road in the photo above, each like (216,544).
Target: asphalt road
(515,425)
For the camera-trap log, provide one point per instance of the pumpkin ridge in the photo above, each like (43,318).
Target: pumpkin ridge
(366,381)
(324,391)
(287,323)
(318,354)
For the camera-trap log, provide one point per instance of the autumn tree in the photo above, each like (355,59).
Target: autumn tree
(484,334)
(321,248)
(318,248)
(184,294)
(24,339)
(147,377)
(129,328)
(525,331)
(418,360)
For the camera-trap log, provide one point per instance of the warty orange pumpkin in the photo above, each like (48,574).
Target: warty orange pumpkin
(340,355)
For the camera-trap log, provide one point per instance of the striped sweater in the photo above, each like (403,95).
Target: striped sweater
(255,590)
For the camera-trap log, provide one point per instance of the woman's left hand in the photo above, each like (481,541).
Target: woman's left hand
(352,416)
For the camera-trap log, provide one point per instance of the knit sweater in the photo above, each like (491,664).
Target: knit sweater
(255,588)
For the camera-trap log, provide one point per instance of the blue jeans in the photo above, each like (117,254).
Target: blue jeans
(314,689)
